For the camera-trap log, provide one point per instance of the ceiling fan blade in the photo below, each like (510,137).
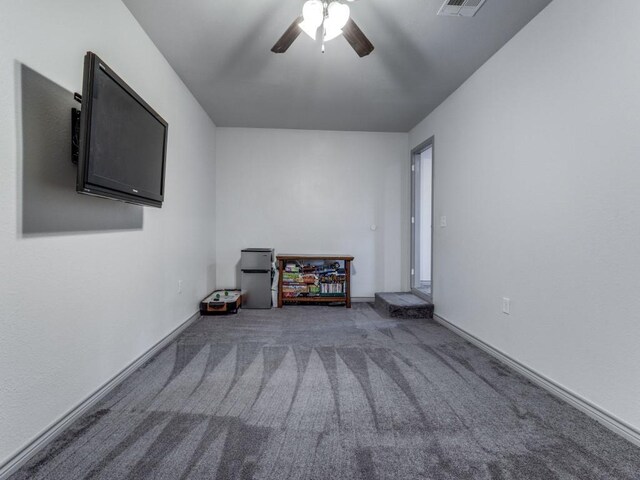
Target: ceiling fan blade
(357,39)
(288,37)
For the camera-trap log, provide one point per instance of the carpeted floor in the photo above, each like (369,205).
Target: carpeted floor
(330,393)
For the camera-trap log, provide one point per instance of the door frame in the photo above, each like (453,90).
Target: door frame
(414,216)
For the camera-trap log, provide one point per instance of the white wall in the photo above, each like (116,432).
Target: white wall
(76,308)
(537,169)
(314,192)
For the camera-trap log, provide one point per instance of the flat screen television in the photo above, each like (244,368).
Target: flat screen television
(122,141)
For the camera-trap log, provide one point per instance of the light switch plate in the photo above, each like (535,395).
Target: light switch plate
(506,305)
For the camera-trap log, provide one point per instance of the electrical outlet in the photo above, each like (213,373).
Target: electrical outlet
(506,305)
(179,286)
(443,221)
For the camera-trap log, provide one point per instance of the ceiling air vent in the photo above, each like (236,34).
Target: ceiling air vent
(460,8)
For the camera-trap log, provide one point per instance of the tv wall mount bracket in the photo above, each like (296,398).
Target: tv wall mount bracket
(75,130)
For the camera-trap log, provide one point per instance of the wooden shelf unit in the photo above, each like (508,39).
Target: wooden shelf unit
(346,297)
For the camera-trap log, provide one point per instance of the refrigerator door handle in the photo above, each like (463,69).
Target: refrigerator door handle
(255,271)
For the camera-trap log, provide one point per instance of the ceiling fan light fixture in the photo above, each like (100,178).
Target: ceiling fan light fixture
(335,19)
(313,16)
(337,16)
(309,29)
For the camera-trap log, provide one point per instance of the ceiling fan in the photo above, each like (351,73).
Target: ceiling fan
(333,18)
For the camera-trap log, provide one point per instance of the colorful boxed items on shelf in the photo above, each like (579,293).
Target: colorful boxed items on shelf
(313,279)
(294,290)
(292,267)
(310,278)
(291,277)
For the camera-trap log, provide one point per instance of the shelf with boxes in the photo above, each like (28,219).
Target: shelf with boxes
(314,279)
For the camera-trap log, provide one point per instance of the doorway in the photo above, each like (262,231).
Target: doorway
(422,219)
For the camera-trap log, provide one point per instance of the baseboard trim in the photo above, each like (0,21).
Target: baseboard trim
(362,299)
(56,428)
(605,418)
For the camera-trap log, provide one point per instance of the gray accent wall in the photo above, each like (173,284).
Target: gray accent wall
(50,203)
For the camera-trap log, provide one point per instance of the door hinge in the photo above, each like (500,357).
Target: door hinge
(413,272)
(413,219)
(413,167)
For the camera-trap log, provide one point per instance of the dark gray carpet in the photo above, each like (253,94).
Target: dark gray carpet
(329,393)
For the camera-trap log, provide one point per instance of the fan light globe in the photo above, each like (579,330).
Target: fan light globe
(313,16)
(338,15)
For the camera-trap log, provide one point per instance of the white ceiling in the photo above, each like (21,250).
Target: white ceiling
(221,50)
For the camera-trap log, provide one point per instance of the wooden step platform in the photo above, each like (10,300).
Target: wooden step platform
(403,305)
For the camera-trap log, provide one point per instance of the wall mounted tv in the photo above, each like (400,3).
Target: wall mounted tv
(121,141)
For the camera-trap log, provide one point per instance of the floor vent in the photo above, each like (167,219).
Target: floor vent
(460,8)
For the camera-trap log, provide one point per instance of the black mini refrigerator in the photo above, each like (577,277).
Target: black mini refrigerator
(256,266)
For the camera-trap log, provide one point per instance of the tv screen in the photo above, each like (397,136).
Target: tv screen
(123,141)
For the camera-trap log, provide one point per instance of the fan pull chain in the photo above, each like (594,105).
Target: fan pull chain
(324,34)
(325,6)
